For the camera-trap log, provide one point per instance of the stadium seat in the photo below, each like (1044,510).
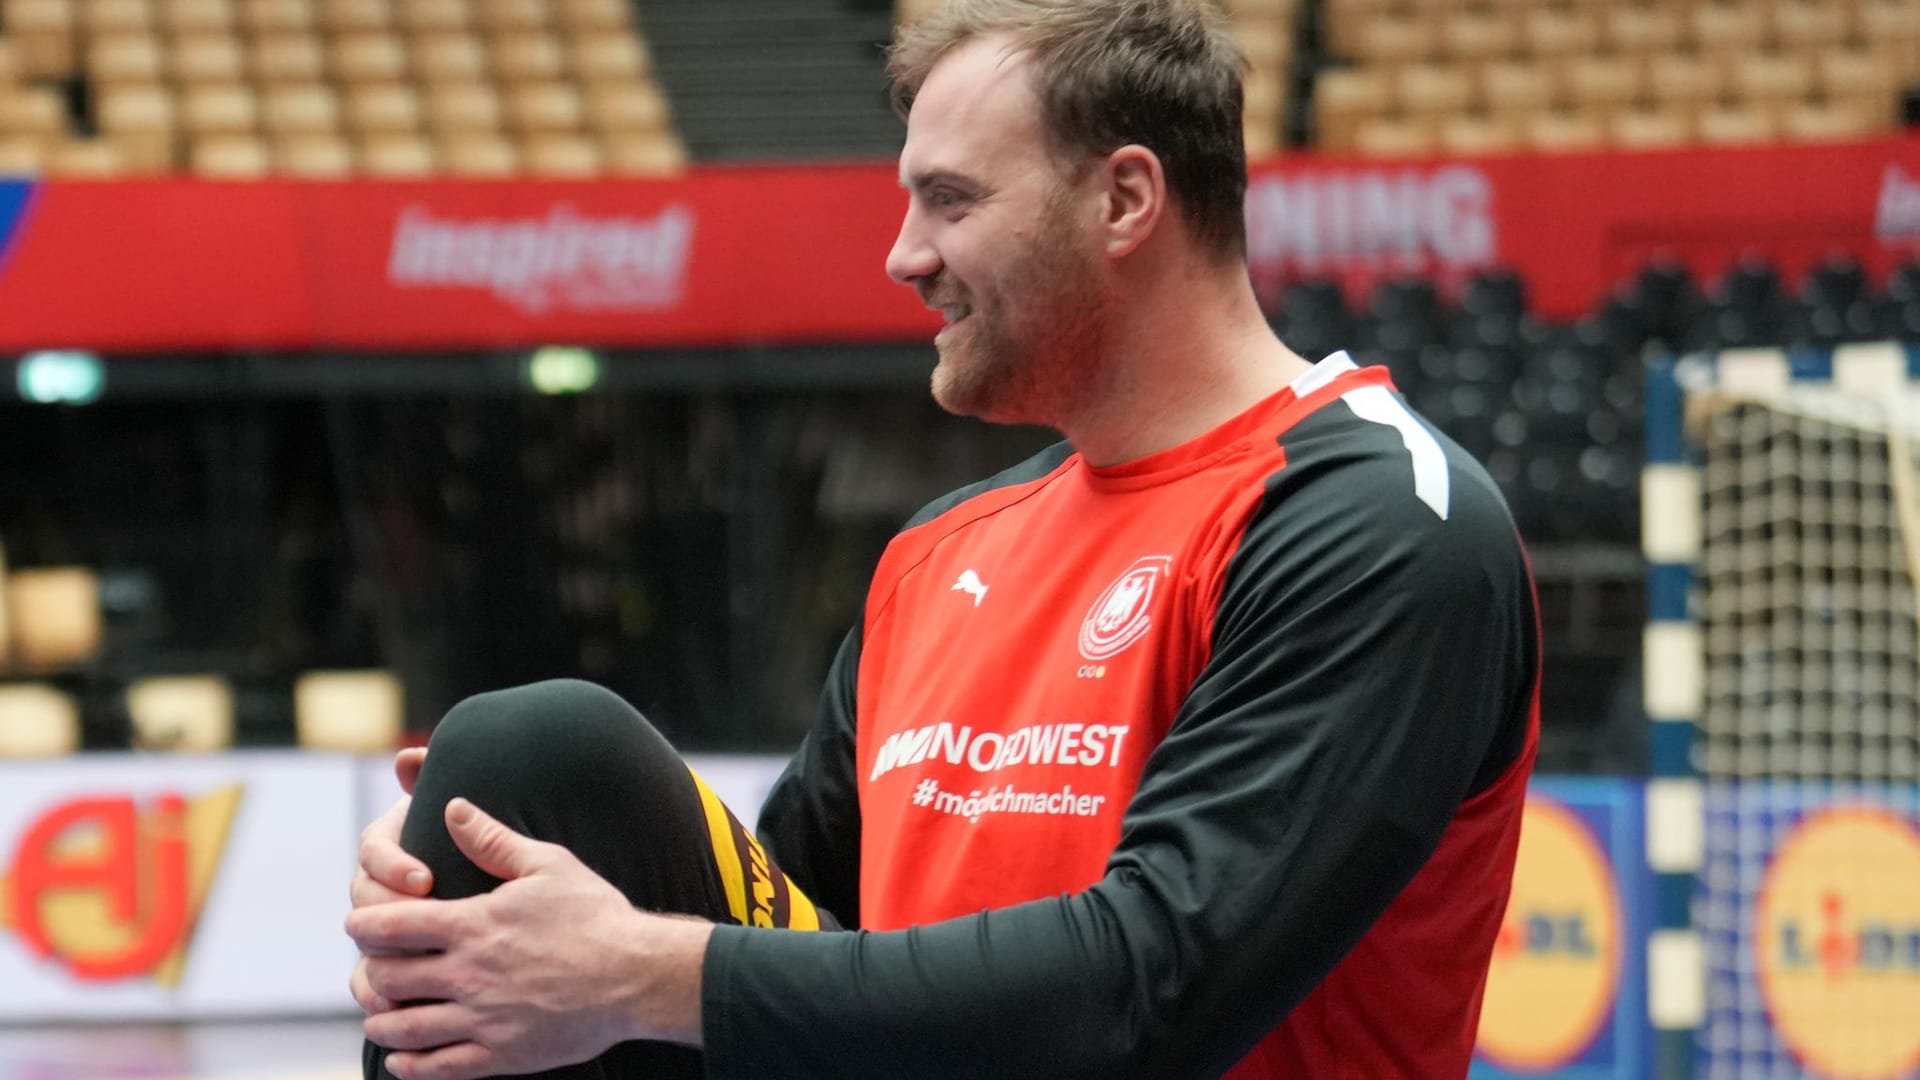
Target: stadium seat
(545,107)
(369,57)
(479,154)
(356,711)
(181,713)
(560,155)
(397,155)
(288,57)
(450,58)
(207,58)
(383,108)
(464,107)
(313,156)
(183,18)
(218,109)
(271,17)
(229,157)
(55,612)
(37,721)
(296,109)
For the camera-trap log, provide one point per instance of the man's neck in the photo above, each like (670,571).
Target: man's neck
(1188,357)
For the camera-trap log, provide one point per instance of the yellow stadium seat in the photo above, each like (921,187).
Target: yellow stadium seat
(22,155)
(104,18)
(208,58)
(1552,33)
(289,58)
(1472,134)
(182,713)
(644,154)
(126,58)
(1564,131)
(357,711)
(627,108)
(560,155)
(397,155)
(545,107)
(450,57)
(434,16)
(182,17)
(1829,121)
(1480,35)
(1396,136)
(479,154)
(219,109)
(383,108)
(1636,30)
(611,58)
(370,56)
(528,56)
(33,110)
(1653,128)
(1519,86)
(264,17)
(55,612)
(512,14)
(355,16)
(464,107)
(37,721)
(1343,99)
(313,157)
(1727,124)
(229,157)
(593,16)
(300,110)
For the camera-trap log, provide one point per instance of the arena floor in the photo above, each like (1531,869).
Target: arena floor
(254,1050)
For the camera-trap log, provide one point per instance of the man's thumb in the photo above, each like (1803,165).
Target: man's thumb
(492,846)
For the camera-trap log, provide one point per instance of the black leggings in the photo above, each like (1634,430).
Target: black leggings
(571,763)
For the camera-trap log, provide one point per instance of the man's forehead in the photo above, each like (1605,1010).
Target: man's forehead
(976,104)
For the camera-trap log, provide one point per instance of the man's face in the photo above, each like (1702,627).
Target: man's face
(999,238)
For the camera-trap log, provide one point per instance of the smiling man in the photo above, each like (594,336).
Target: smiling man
(1193,746)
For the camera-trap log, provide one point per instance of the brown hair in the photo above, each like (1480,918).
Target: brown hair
(1163,74)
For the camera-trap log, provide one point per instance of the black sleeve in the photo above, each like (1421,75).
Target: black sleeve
(1368,658)
(810,822)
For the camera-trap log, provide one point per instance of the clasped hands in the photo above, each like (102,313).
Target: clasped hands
(551,968)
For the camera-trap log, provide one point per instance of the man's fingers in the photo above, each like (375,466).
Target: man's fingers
(420,1027)
(492,846)
(406,926)
(406,767)
(463,1061)
(386,862)
(409,978)
(361,987)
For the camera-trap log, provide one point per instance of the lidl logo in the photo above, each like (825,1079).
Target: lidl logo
(110,887)
(1556,963)
(1837,933)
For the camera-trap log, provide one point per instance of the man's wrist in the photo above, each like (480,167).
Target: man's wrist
(669,959)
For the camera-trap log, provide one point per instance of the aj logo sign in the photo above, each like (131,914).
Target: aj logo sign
(110,887)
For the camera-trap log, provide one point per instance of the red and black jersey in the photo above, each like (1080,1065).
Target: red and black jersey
(1209,763)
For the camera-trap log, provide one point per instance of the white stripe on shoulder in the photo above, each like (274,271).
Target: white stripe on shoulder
(1323,373)
(1432,480)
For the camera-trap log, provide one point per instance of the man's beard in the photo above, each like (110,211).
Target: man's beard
(1030,348)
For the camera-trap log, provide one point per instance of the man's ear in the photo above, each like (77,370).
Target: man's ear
(1136,198)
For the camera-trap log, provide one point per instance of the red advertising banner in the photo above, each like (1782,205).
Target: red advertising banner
(730,256)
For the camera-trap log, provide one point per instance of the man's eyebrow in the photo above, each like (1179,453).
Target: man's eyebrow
(922,181)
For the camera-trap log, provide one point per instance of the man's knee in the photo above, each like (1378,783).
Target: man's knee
(559,732)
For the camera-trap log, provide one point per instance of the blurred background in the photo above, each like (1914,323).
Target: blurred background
(360,355)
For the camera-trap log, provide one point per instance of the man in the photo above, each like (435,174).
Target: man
(1193,746)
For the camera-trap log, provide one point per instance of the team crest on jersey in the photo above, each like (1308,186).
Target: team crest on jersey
(1121,616)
